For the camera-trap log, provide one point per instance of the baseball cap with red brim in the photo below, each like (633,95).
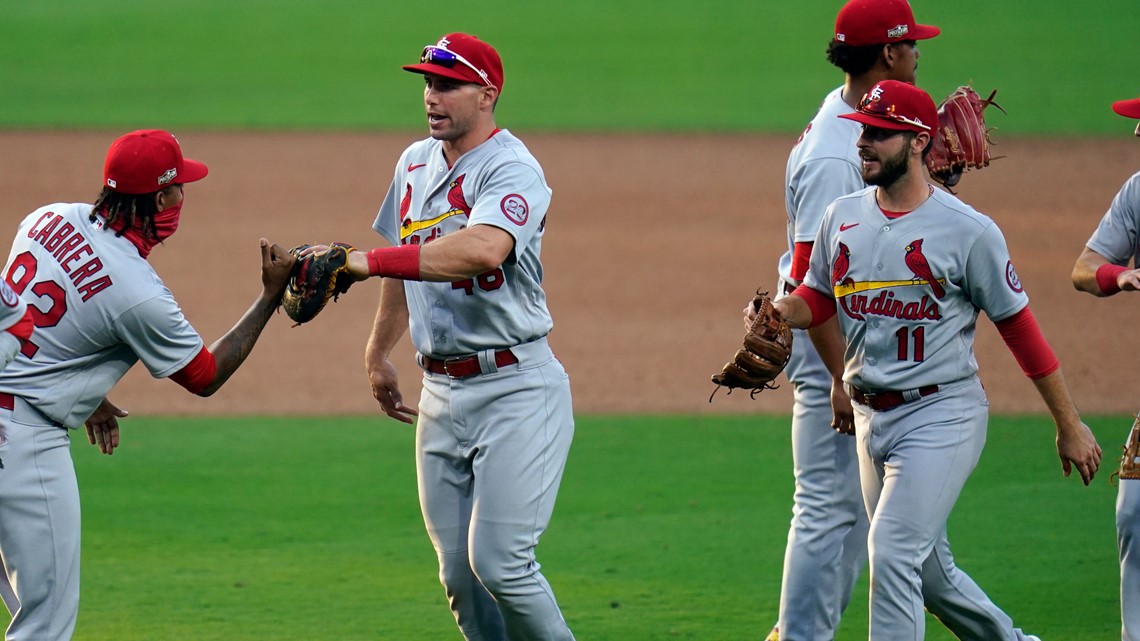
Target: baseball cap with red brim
(892,104)
(1128,108)
(463,57)
(148,160)
(873,22)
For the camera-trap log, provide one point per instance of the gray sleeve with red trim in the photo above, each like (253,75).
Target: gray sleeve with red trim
(514,197)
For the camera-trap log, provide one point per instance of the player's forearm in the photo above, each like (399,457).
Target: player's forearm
(463,254)
(828,341)
(1055,393)
(1085,270)
(390,323)
(231,350)
(794,310)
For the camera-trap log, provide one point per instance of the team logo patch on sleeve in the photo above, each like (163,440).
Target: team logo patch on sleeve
(8,295)
(515,209)
(1011,278)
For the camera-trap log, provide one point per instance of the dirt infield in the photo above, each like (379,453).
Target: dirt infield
(647,253)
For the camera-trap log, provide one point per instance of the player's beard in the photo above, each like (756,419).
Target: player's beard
(891,169)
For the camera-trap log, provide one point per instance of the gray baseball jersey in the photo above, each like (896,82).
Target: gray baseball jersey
(827,537)
(99,308)
(1117,238)
(498,183)
(909,289)
(823,166)
(490,447)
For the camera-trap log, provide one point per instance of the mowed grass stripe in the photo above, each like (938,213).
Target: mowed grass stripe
(666,528)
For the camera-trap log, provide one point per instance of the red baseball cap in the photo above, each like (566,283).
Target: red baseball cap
(872,22)
(148,160)
(1128,108)
(892,104)
(460,56)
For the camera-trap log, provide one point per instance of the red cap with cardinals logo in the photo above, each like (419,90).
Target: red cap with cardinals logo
(892,104)
(873,22)
(463,57)
(148,160)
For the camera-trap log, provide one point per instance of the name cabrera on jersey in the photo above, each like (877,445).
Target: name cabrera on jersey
(1117,238)
(823,165)
(908,290)
(98,308)
(498,183)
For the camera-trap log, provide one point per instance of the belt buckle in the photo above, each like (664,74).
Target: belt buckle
(448,362)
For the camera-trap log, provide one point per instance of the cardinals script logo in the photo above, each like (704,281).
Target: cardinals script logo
(856,301)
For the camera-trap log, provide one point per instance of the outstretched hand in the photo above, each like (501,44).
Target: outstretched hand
(276,268)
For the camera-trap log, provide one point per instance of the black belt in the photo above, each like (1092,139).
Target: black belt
(883,401)
(466,366)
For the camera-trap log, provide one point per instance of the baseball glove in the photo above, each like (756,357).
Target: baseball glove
(1130,461)
(767,347)
(962,141)
(316,278)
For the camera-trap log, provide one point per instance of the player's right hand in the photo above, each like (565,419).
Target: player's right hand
(1077,447)
(749,314)
(386,390)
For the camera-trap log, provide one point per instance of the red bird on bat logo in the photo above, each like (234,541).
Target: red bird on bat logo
(455,196)
(842,264)
(916,261)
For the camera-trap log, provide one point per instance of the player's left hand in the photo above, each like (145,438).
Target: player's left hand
(1077,447)
(103,426)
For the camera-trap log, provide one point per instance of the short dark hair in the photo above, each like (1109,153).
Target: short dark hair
(857,60)
(131,209)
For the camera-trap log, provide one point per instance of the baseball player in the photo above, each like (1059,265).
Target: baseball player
(906,268)
(1102,270)
(466,213)
(827,541)
(98,307)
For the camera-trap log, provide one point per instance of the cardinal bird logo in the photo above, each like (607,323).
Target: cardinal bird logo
(406,204)
(455,196)
(842,264)
(917,264)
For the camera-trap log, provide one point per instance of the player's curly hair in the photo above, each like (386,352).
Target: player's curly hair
(856,60)
(129,208)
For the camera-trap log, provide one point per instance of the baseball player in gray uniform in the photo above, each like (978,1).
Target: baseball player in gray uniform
(466,213)
(907,268)
(1102,270)
(98,307)
(827,541)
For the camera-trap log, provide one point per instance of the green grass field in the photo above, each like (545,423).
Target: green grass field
(647,65)
(666,528)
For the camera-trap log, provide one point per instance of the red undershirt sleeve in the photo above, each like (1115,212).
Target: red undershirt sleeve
(198,373)
(23,327)
(822,306)
(1023,337)
(801,256)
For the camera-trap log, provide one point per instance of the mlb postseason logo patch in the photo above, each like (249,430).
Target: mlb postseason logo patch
(1011,278)
(515,209)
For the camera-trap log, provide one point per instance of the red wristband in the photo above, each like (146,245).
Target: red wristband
(395,262)
(1106,278)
